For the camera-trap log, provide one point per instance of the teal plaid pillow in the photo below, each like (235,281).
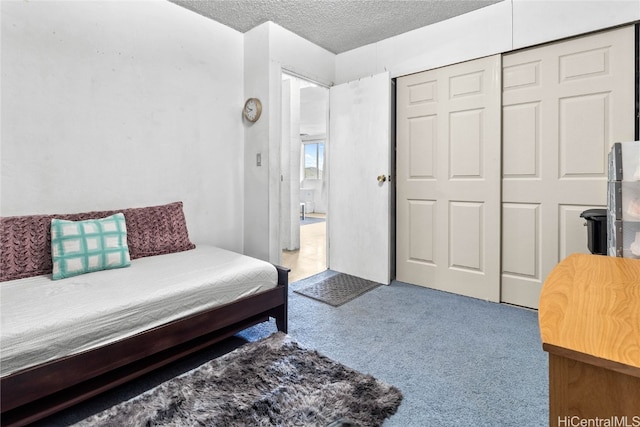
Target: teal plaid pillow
(79,247)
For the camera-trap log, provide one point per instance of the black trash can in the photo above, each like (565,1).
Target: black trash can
(596,230)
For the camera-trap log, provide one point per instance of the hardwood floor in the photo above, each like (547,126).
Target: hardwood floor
(311,258)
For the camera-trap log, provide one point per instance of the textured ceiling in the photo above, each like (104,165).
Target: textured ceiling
(336,25)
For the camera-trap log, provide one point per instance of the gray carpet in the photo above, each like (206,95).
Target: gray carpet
(459,361)
(337,289)
(271,382)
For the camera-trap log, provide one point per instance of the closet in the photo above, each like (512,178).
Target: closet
(497,157)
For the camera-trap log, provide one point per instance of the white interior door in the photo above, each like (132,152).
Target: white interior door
(564,104)
(448,178)
(359,151)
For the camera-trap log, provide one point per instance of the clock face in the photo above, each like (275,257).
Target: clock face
(252,109)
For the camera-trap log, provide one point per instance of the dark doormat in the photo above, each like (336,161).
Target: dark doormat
(338,289)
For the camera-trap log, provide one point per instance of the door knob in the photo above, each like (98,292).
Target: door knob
(382,178)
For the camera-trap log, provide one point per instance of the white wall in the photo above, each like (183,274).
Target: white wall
(300,56)
(314,106)
(109,104)
(498,28)
(256,142)
(540,21)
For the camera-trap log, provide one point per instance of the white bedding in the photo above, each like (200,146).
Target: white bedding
(44,319)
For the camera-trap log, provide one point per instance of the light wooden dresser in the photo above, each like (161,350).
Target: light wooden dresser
(589,318)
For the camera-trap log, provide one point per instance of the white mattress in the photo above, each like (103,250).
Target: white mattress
(44,319)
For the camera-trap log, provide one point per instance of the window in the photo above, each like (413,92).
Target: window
(313,160)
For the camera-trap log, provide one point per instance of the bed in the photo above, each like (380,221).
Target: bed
(64,341)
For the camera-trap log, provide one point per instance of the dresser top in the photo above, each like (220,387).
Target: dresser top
(590,304)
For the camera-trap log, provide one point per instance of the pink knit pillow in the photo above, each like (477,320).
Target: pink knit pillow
(25,241)
(157,230)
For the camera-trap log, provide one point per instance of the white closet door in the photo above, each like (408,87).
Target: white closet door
(564,104)
(359,152)
(448,178)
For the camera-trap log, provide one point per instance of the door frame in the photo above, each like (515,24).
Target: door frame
(293,74)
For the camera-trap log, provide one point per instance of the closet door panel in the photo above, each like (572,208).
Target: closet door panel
(564,104)
(448,178)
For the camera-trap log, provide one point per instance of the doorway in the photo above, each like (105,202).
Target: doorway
(304,180)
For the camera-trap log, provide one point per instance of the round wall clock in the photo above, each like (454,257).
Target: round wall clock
(252,109)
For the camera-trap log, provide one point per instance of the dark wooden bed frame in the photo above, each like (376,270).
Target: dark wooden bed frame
(40,391)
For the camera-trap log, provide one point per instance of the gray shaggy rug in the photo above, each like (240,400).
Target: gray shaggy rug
(272,382)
